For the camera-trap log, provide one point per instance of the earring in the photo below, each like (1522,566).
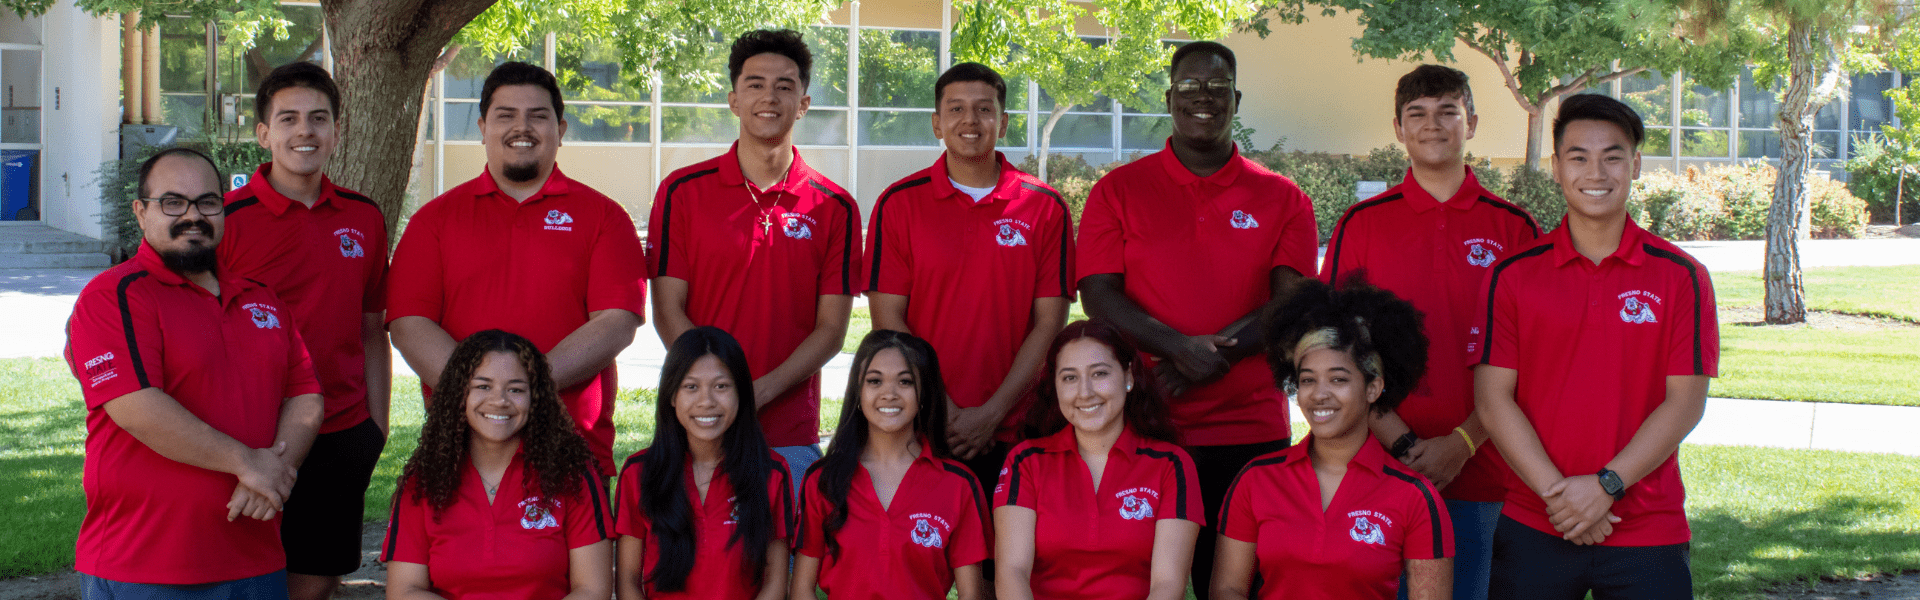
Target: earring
(1129,387)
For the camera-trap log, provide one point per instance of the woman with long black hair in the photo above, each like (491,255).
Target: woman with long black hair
(888,513)
(704,510)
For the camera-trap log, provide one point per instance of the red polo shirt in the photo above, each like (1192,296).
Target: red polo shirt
(231,360)
(1437,260)
(756,263)
(329,262)
(936,523)
(1196,253)
(1383,513)
(1598,345)
(513,547)
(474,259)
(717,570)
(1090,543)
(971,270)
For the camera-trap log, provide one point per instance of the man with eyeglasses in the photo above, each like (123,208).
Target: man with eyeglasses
(201,405)
(1182,250)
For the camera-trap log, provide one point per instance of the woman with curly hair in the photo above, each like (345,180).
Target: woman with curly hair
(888,513)
(704,510)
(1334,516)
(1100,501)
(501,499)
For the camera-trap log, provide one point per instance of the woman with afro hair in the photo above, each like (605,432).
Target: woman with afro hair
(1334,516)
(502,497)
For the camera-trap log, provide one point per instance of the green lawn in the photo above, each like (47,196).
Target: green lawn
(1796,362)
(1891,292)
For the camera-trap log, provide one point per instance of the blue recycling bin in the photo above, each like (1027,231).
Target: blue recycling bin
(16,182)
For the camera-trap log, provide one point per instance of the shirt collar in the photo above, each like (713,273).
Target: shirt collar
(1631,250)
(1003,188)
(730,173)
(1064,441)
(277,203)
(1421,201)
(1371,458)
(558,184)
(1224,177)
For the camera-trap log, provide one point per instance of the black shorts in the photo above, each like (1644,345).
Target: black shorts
(1529,564)
(321,526)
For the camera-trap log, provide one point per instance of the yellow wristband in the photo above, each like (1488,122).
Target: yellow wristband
(1472,448)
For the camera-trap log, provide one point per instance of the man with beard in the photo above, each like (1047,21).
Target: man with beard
(323,249)
(199,395)
(1182,250)
(758,243)
(526,249)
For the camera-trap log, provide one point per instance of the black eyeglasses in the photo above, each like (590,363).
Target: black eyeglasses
(174,206)
(1213,87)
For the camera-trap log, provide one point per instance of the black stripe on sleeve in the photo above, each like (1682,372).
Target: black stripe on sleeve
(1013,474)
(666,213)
(393,522)
(1339,240)
(1699,357)
(356,197)
(979,496)
(594,491)
(1179,479)
(1226,503)
(873,270)
(1517,211)
(126,323)
(1493,284)
(236,205)
(1066,236)
(853,236)
(1433,510)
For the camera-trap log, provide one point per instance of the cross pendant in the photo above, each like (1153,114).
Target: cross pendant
(766,226)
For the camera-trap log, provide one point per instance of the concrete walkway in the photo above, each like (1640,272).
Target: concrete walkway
(35,303)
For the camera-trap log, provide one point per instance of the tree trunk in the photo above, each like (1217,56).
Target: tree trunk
(416,186)
(1046,137)
(1536,127)
(383,51)
(1814,71)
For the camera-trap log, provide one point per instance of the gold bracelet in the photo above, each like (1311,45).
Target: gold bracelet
(1472,449)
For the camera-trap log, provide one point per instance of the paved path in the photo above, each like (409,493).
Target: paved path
(34,305)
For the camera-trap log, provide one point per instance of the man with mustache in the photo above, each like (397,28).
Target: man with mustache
(758,243)
(526,249)
(323,249)
(201,405)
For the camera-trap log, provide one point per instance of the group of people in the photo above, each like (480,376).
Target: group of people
(236,369)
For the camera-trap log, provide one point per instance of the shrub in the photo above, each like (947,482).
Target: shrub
(1731,203)
(1874,176)
(1837,213)
(1071,175)
(1534,191)
(120,182)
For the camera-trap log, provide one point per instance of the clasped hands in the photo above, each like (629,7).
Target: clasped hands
(266,478)
(1580,510)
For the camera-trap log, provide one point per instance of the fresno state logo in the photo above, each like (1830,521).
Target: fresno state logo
(925,534)
(733,511)
(1134,504)
(1242,220)
(263,316)
(1637,307)
(558,221)
(797,226)
(1009,233)
(533,515)
(1366,531)
(351,248)
(1482,252)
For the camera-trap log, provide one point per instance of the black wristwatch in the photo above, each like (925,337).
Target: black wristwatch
(1404,445)
(1611,484)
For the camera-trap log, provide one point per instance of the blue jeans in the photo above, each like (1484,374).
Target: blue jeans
(271,586)
(1473,525)
(798,459)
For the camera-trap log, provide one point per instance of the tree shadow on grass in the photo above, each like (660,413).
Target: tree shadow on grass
(1735,555)
(40,493)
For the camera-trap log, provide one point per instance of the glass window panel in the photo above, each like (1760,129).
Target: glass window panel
(463,121)
(898,67)
(1016,95)
(1016,130)
(186,111)
(1870,106)
(1759,108)
(242,69)
(1145,133)
(1152,97)
(601,123)
(698,124)
(1759,143)
(1826,144)
(183,56)
(590,70)
(1659,142)
(22,115)
(1828,117)
(1099,104)
(1706,143)
(1083,131)
(1649,93)
(829,83)
(819,128)
(468,72)
(1703,107)
(896,128)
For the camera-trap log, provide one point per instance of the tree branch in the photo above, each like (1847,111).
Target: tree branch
(1513,84)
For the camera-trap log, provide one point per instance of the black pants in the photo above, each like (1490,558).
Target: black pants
(1216,467)
(321,526)
(986,468)
(1529,564)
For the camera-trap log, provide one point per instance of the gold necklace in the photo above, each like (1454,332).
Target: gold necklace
(766,220)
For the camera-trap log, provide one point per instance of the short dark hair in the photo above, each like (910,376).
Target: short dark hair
(1213,48)
(784,42)
(1595,107)
(146,167)
(295,74)
(970,71)
(1431,81)
(519,73)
